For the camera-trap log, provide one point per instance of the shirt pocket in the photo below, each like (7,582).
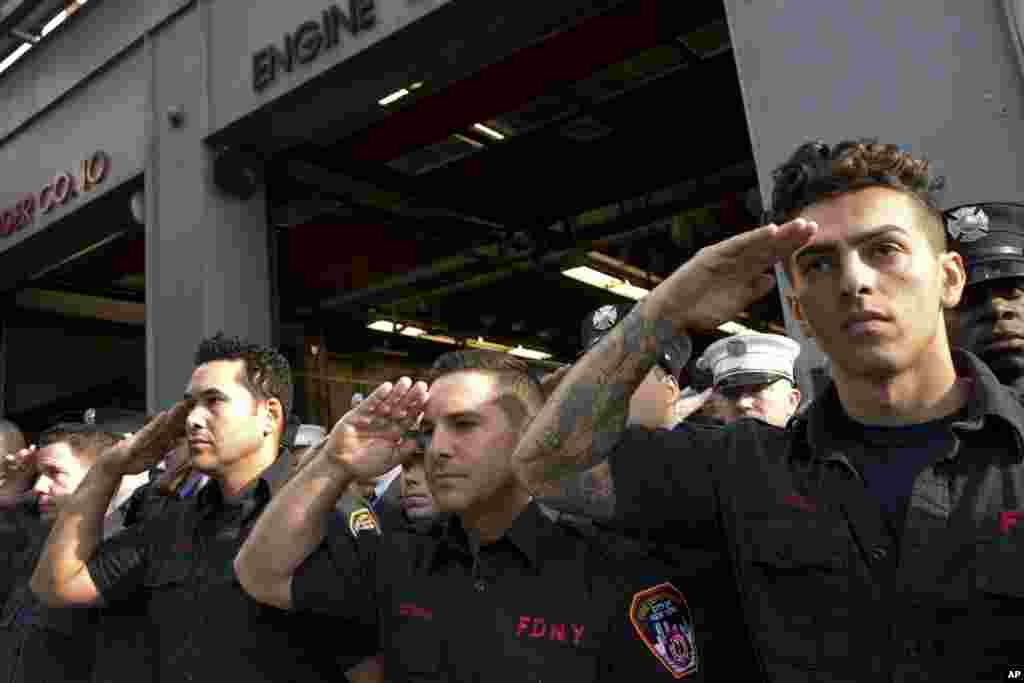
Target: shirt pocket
(415,652)
(167,581)
(1000,566)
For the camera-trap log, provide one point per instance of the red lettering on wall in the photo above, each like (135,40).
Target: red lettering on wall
(557,632)
(58,191)
(539,629)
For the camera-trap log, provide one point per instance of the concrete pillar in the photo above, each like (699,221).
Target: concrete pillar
(207,266)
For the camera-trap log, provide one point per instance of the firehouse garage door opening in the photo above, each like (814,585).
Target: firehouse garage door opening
(500,210)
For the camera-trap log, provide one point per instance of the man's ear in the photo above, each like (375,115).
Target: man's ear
(794,400)
(673,385)
(798,315)
(275,416)
(954,278)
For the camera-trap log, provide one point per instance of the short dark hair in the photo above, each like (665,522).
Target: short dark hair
(266,373)
(86,440)
(514,375)
(817,172)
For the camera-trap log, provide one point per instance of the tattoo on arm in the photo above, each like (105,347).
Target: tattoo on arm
(586,413)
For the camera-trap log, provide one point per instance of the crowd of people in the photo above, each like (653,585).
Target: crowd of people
(608,522)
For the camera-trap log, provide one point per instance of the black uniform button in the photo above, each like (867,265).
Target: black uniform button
(912,648)
(480,585)
(879,553)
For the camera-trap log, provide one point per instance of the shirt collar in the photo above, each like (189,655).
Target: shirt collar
(988,398)
(526,534)
(252,497)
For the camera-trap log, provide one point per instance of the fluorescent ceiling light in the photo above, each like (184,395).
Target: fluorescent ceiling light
(529,353)
(393,97)
(596,278)
(388,326)
(439,338)
(479,343)
(731,327)
(61,17)
(14,56)
(416,85)
(489,132)
(469,141)
(52,24)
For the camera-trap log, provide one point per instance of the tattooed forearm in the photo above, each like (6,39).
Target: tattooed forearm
(587,493)
(586,412)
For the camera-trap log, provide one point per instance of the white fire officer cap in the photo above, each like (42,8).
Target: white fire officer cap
(750,359)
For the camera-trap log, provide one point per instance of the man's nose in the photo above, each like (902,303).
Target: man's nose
(856,277)
(195,421)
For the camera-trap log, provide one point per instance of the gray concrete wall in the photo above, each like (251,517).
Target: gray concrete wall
(108,115)
(941,77)
(206,253)
(241,29)
(100,33)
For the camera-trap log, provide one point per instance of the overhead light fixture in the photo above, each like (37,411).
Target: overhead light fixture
(529,353)
(488,131)
(393,97)
(479,343)
(596,278)
(439,338)
(50,26)
(61,16)
(730,327)
(518,350)
(25,36)
(388,326)
(399,94)
(14,56)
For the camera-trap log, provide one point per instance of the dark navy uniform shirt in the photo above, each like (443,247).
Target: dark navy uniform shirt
(829,592)
(179,564)
(546,602)
(38,644)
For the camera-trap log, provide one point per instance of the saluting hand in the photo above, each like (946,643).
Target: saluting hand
(723,279)
(371,439)
(146,447)
(18,471)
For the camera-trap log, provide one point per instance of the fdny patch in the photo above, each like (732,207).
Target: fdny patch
(662,619)
(362,520)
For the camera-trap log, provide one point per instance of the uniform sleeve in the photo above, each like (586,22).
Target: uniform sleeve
(664,483)
(118,568)
(339,577)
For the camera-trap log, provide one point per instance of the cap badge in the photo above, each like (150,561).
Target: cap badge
(735,347)
(605,317)
(967,224)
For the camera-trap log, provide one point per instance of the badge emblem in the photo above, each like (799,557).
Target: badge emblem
(735,347)
(967,224)
(662,619)
(362,520)
(605,317)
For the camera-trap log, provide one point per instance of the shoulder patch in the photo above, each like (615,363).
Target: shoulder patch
(662,619)
(362,519)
